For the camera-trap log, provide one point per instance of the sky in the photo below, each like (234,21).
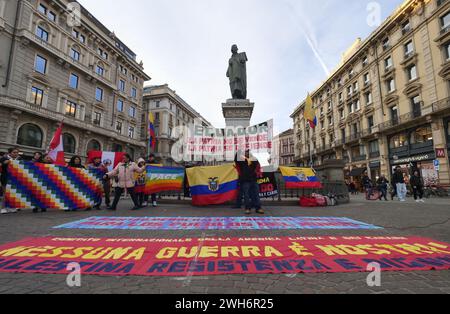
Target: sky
(291,46)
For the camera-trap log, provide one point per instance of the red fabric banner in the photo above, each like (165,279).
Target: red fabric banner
(219,256)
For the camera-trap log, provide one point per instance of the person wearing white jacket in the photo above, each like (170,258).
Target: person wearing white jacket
(125,173)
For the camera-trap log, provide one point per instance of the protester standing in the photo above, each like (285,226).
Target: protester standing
(151,161)
(249,170)
(98,165)
(75,162)
(125,180)
(383,184)
(417,186)
(37,157)
(398,179)
(139,188)
(5,161)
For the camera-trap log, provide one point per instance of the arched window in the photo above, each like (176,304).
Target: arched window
(131,152)
(422,135)
(30,135)
(398,141)
(94,145)
(69,143)
(117,148)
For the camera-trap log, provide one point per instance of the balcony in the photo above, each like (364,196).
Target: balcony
(354,137)
(374,155)
(359,158)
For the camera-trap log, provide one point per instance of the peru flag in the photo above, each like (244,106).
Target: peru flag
(115,158)
(56,150)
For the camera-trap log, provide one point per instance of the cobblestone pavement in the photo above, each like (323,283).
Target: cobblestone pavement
(400,219)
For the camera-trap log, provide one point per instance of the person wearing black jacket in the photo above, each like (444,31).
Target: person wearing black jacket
(13,154)
(417,186)
(367,183)
(249,170)
(382,184)
(75,162)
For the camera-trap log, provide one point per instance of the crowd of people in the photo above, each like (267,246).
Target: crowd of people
(380,188)
(127,175)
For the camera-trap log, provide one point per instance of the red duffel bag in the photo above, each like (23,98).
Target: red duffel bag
(308,202)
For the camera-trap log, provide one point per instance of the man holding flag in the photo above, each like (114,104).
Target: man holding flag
(56,149)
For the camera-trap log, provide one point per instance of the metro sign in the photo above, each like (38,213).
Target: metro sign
(440,152)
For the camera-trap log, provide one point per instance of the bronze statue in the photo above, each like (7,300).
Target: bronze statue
(237,73)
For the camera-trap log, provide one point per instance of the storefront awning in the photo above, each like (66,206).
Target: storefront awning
(357,172)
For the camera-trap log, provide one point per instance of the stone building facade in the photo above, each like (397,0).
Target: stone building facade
(62,65)
(388,102)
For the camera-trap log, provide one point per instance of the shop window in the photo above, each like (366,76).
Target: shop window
(422,135)
(398,141)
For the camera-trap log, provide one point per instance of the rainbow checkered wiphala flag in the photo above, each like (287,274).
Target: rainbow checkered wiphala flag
(33,185)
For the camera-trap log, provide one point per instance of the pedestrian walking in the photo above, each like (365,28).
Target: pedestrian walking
(398,179)
(368,185)
(98,165)
(416,182)
(382,185)
(139,188)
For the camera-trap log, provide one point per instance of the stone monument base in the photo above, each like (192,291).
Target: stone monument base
(238,112)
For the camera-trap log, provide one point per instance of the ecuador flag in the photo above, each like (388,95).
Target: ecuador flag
(213,185)
(310,113)
(300,178)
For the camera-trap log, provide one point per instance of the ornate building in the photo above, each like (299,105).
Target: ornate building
(285,145)
(388,102)
(169,111)
(57,63)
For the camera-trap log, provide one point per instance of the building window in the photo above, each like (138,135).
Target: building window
(398,141)
(37,96)
(30,135)
(73,81)
(94,145)
(99,94)
(119,127)
(97,118)
(447,51)
(409,49)
(132,112)
(69,143)
(120,105)
(368,98)
(422,135)
(40,65)
(75,54)
(445,21)
(412,72)
(374,147)
(122,85)
(42,33)
(390,85)
(386,44)
(51,16)
(134,93)
(42,8)
(406,27)
(117,148)
(366,79)
(131,132)
(370,122)
(157,117)
(388,63)
(71,109)
(75,33)
(100,70)
(394,114)
(82,39)
(341,114)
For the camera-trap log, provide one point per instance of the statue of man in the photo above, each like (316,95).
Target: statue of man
(237,73)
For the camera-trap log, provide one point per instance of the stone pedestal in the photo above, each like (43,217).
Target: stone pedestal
(237,112)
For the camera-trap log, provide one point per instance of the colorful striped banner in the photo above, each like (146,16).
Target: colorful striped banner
(32,185)
(160,179)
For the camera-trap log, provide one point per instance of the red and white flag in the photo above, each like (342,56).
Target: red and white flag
(56,150)
(114,158)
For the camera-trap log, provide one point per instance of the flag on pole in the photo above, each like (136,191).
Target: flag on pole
(310,113)
(56,150)
(151,131)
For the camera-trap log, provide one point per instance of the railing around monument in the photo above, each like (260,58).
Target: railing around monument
(339,189)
